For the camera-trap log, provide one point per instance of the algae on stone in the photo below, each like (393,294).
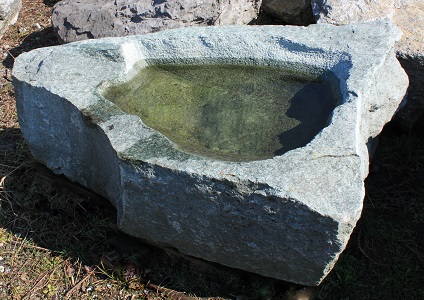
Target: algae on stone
(229,112)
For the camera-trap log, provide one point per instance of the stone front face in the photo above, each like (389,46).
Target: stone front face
(409,16)
(287,217)
(9,11)
(79,20)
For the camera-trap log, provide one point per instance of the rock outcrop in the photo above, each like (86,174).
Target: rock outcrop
(409,16)
(79,20)
(287,217)
(9,12)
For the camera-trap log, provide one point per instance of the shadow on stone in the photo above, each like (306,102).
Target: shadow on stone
(50,3)
(414,106)
(312,112)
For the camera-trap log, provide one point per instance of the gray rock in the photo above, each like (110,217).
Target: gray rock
(287,217)
(79,20)
(408,15)
(346,12)
(9,12)
(295,12)
(410,52)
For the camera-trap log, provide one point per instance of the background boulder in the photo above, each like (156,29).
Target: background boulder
(78,20)
(9,11)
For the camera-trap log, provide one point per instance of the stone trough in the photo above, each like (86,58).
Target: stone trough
(285,210)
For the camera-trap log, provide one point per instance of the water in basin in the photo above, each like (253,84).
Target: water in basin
(228,112)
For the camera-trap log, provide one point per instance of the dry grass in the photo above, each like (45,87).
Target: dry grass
(59,241)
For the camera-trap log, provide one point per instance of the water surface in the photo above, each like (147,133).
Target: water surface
(228,112)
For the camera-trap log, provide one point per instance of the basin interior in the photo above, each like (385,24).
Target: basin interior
(229,112)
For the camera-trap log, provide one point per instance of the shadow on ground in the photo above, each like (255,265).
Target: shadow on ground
(43,38)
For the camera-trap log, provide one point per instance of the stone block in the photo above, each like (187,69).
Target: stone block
(294,12)
(288,216)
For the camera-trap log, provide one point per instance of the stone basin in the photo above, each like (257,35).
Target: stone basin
(223,111)
(287,214)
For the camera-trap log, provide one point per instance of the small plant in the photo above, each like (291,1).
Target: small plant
(49,290)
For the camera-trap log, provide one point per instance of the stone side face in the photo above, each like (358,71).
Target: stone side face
(9,11)
(288,217)
(409,16)
(79,20)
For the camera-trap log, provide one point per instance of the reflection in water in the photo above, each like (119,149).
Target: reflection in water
(228,112)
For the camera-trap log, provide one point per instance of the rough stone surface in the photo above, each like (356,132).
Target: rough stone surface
(287,217)
(295,12)
(345,11)
(79,20)
(408,15)
(9,11)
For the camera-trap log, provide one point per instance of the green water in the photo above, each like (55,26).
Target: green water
(228,112)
